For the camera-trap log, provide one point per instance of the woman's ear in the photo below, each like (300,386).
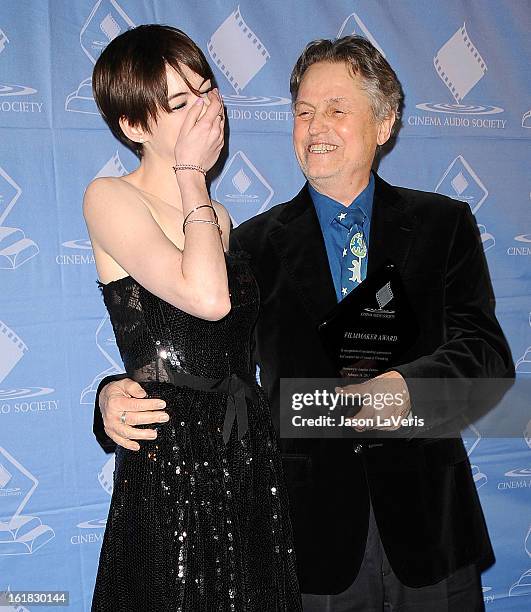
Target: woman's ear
(134,132)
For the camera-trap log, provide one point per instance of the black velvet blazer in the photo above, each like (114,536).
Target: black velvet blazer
(424,498)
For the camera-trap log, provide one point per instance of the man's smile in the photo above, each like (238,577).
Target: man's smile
(322,147)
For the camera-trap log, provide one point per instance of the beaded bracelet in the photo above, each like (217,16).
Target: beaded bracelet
(178,167)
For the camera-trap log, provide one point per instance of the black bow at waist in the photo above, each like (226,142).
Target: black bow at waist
(238,389)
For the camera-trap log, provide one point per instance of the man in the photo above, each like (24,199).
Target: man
(395,523)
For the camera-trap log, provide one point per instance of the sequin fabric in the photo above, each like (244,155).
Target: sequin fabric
(195,525)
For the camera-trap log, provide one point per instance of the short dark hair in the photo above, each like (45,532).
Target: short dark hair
(129,78)
(378,78)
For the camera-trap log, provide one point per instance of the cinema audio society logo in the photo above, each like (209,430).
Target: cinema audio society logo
(79,252)
(106,20)
(460,181)
(15,248)
(240,55)
(12,351)
(354,25)
(106,343)
(20,534)
(9,92)
(242,189)
(460,67)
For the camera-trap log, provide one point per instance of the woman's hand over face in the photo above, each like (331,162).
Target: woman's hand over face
(201,137)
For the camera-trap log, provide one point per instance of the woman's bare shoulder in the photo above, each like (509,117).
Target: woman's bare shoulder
(103,191)
(104,186)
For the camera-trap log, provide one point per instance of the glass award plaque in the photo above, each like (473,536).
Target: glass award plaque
(369,330)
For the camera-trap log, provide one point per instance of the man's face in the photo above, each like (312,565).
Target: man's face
(335,133)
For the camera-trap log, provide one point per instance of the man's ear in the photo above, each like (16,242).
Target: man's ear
(385,128)
(134,132)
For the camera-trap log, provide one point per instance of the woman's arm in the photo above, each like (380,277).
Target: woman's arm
(122,227)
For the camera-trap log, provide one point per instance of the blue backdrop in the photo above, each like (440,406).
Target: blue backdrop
(464,66)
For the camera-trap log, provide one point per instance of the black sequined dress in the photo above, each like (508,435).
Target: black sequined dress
(198,520)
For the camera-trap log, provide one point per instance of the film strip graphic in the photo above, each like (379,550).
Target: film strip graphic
(237,51)
(113,167)
(12,349)
(384,295)
(461,49)
(106,476)
(109,26)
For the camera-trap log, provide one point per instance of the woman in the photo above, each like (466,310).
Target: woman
(198,518)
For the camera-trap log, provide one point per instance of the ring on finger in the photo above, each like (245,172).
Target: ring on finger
(123,417)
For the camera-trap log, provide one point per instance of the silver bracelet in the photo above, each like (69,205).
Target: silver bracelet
(197,208)
(201,221)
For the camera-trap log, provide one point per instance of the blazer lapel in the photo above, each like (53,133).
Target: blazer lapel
(392,228)
(300,245)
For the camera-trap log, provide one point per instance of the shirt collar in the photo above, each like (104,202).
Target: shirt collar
(327,208)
